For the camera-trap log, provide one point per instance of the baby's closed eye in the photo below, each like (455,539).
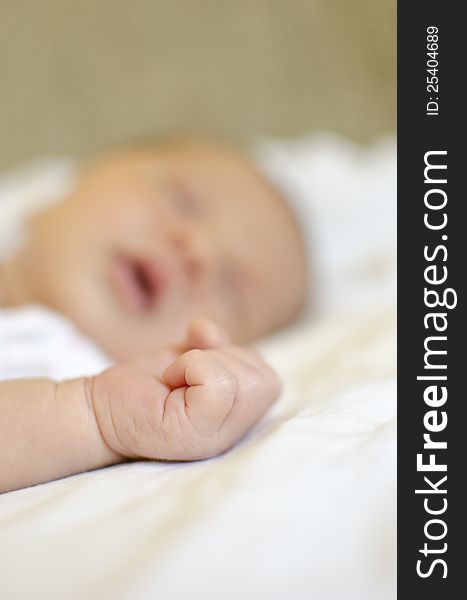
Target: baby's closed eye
(183,201)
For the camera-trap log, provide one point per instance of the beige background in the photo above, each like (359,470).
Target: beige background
(79,74)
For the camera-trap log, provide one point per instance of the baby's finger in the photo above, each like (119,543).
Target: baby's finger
(205,334)
(258,385)
(195,367)
(210,391)
(247,363)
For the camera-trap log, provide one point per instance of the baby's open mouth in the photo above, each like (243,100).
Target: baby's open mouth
(138,282)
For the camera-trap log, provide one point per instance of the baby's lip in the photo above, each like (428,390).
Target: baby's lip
(138,281)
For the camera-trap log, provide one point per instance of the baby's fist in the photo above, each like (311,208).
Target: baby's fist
(185,406)
(216,396)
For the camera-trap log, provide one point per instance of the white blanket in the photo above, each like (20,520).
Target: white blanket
(304,508)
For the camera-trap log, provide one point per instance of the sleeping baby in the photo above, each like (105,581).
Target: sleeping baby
(172,257)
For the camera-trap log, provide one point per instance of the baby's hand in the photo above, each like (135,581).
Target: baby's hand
(183,405)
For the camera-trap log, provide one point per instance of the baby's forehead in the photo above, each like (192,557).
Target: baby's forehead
(229,172)
(218,159)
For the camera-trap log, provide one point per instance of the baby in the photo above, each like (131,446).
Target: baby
(171,257)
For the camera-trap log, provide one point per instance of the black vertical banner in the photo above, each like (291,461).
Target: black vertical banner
(432,332)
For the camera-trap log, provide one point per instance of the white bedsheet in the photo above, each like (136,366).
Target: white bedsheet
(304,508)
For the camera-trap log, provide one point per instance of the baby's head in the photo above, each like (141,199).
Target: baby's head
(154,235)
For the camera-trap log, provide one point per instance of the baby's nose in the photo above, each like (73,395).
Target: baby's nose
(195,252)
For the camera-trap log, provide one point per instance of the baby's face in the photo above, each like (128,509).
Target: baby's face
(151,238)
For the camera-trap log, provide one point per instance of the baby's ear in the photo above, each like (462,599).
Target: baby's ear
(205,334)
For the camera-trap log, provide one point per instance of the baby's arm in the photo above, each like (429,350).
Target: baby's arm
(48,430)
(177,405)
